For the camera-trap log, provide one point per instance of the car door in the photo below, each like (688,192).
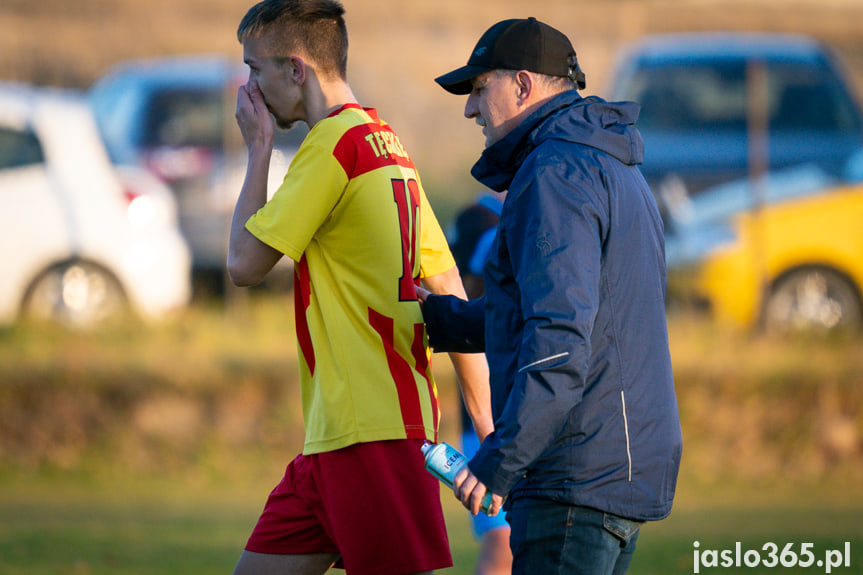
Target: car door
(33,230)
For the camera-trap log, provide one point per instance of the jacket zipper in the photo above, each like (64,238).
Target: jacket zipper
(626,431)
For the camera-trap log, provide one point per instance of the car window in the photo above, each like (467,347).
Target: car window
(185,117)
(691,96)
(115,106)
(702,97)
(19,148)
(808,98)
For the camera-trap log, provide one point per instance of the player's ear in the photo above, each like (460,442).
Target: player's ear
(297,70)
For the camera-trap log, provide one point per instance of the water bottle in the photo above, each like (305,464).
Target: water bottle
(444,462)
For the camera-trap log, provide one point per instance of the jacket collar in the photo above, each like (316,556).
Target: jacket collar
(499,162)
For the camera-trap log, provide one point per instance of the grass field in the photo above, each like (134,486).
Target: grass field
(151,449)
(153,527)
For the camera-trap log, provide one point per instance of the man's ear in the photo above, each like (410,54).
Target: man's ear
(524,85)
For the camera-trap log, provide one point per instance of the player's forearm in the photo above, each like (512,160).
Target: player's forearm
(471,368)
(245,265)
(472,372)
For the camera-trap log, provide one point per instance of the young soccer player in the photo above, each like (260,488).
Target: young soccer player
(353,215)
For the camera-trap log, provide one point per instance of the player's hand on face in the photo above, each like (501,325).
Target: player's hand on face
(254,119)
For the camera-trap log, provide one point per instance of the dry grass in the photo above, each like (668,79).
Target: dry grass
(215,388)
(771,414)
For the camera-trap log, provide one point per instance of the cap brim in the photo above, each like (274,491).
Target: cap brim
(458,81)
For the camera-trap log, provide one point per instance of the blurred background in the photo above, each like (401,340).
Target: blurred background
(146,407)
(397,48)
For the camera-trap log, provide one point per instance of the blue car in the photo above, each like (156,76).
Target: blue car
(717,107)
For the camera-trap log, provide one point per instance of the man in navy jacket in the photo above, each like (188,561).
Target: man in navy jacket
(587,439)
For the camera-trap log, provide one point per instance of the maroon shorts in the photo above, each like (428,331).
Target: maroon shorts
(373,503)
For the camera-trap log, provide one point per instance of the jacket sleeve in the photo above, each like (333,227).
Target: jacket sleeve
(553,232)
(455,325)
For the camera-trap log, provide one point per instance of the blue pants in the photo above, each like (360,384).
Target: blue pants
(550,537)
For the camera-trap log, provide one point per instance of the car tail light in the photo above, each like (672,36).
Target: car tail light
(149,202)
(172,164)
(141,209)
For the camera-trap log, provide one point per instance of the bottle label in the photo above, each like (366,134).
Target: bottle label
(444,461)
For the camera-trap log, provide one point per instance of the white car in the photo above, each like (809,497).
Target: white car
(80,239)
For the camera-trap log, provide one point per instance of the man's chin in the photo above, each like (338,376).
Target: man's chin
(489,140)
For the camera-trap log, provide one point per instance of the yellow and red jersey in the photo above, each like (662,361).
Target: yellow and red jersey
(353,215)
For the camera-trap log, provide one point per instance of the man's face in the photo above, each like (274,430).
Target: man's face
(273,75)
(494,103)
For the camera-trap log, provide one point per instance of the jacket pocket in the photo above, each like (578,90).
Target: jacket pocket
(620,527)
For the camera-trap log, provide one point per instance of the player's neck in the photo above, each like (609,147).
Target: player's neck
(325,97)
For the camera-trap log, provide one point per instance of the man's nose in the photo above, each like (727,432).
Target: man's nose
(470,107)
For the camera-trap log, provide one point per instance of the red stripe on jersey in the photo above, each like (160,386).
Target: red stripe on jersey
(302,298)
(402,375)
(368,147)
(408,210)
(422,363)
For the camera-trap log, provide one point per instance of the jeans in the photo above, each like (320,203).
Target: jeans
(555,538)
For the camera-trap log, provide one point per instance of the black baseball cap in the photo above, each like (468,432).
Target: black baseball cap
(517,44)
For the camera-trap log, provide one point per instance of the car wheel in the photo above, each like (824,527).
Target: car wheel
(78,295)
(812,299)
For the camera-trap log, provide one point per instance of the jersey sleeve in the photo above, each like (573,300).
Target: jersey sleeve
(313,186)
(435,255)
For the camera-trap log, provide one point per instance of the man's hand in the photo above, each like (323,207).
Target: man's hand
(471,368)
(254,119)
(422,294)
(470,491)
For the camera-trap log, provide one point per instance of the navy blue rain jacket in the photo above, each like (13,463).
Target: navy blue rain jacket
(573,321)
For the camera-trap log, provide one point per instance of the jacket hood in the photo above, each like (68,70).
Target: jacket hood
(591,121)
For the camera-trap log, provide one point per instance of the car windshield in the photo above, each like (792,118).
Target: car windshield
(688,96)
(185,118)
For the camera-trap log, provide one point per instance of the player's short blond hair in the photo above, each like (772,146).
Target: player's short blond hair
(315,28)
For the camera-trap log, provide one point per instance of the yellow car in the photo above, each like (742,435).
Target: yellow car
(787,263)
